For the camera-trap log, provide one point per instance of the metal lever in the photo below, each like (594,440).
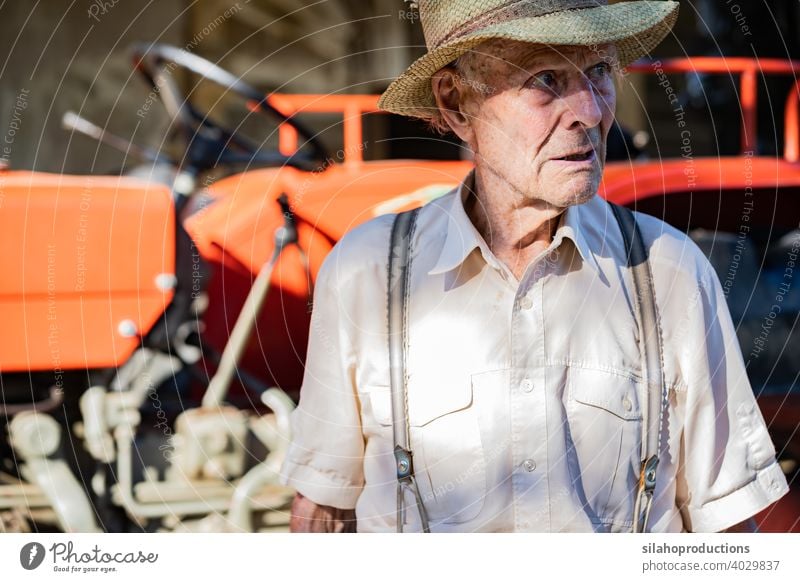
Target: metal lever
(74,122)
(232,354)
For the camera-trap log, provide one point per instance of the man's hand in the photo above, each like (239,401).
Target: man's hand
(308,517)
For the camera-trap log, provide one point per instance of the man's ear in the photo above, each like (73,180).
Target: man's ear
(449,94)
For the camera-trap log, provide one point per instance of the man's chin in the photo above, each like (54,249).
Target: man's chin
(577,190)
(575,197)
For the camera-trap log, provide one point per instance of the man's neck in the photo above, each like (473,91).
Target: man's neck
(517,229)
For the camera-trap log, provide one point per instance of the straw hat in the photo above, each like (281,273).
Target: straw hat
(452,27)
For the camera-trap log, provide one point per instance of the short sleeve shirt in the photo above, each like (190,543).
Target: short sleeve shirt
(525,396)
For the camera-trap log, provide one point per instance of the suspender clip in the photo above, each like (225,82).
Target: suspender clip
(404,463)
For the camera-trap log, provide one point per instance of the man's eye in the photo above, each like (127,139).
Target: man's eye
(544,80)
(600,71)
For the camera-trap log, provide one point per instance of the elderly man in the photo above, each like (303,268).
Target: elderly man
(523,383)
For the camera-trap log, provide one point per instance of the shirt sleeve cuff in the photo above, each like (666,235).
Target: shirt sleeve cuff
(768,486)
(321,487)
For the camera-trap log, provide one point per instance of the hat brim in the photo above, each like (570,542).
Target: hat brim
(634,27)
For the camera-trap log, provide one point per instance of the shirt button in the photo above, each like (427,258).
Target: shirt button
(527,385)
(526,303)
(529,465)
(627,404)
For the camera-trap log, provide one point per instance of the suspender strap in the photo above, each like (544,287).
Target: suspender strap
(650,344)
(398,291)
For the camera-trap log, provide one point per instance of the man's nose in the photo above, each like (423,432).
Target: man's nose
(585,105)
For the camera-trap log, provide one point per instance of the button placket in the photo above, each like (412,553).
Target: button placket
(530,487)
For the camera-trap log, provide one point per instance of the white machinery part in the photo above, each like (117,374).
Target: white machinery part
(209,444)
(36,437)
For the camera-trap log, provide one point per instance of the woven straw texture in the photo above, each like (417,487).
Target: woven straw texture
(452,27)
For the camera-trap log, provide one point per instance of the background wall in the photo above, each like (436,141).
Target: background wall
(62,56)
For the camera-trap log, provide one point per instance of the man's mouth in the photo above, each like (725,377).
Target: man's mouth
(578,156)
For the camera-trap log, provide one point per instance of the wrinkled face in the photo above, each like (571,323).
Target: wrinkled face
(539,116)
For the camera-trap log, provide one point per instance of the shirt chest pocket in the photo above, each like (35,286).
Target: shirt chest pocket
(448,453)
(604,444)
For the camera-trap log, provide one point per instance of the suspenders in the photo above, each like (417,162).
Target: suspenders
(398,289)
(645,311)
(652,364)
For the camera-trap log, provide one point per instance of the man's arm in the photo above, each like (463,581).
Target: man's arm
(308,517)
(728,472)
(324,460)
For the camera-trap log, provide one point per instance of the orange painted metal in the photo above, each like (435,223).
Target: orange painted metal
(747,69)
(625,183)
(725,65)
(791,122)
(235,236)
(352,107)
(80,259)
(331,202)
(748,99)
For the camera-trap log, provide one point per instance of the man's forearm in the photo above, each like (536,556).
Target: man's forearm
(309,517)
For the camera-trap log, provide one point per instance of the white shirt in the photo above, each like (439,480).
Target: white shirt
(524,396)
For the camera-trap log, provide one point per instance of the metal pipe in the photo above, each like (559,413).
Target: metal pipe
(749,101)
(22,495)
(240,514)
(791,123)
(53,401)
(20,489)
(282,406)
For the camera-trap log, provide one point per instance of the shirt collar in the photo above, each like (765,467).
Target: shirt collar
(461,237)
